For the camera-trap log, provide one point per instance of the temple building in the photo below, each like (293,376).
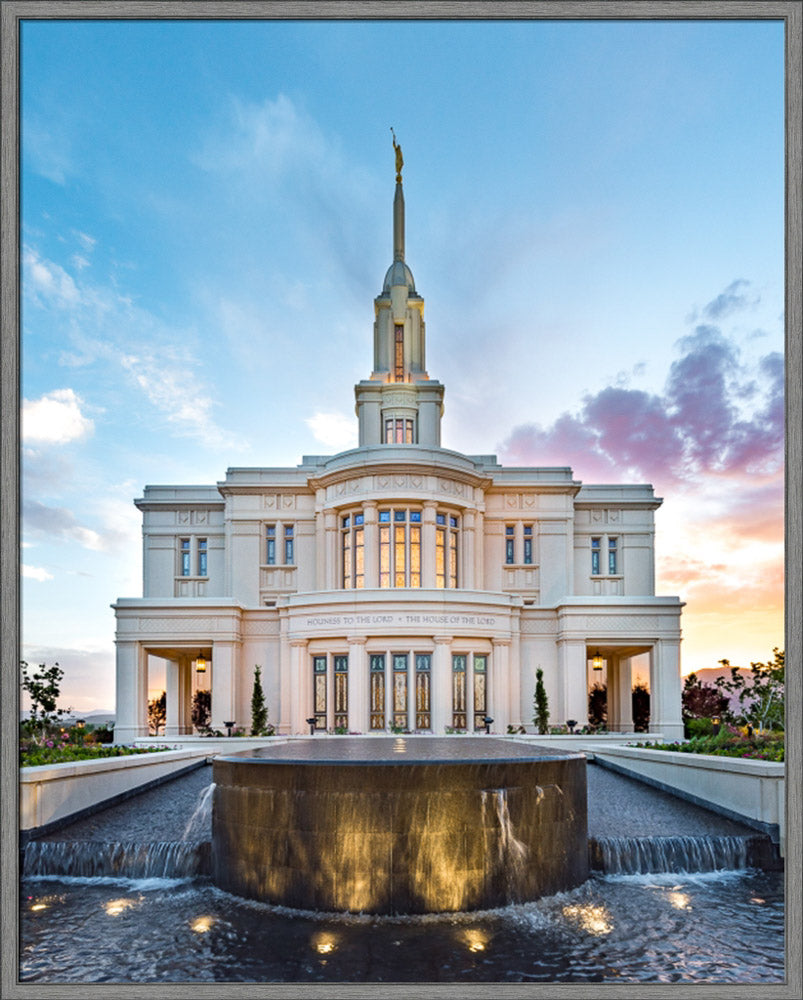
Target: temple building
(398,586)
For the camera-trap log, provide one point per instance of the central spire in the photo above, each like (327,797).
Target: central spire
(398,204)
(399,404)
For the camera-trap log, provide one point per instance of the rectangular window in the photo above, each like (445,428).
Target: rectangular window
(270,549)
(400,690)
(377,672)
(440,557)
(202,557)
(384,548)
(452,551)
(612,561)
(459,691)
(408,432)
(288,545)
(595,550)
(399,353)
(346,552)
(185,557)
(480,690)
(509,544)
(528,544)
(319,690)
(423,674)
(359,556)
(341,692)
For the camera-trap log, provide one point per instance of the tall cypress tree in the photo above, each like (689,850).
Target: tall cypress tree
(540,703)
(259,713)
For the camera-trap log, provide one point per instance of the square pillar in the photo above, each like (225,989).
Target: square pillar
(358,684)
(173,708)
(301,705)
(572,682)
(503,696)
(224,667)
(620,694)
(131,713)
(442,684)
(665,690)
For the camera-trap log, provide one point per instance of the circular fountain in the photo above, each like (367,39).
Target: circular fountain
(399,825)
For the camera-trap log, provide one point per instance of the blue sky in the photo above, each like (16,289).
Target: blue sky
(594,218)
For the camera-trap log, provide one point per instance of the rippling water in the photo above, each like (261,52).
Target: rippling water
(714,927)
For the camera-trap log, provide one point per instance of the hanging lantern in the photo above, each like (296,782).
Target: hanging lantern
(596,662)
(200,664)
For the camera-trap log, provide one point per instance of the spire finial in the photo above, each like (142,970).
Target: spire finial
(399,158)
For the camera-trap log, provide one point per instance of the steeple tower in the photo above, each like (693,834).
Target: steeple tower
(399,404)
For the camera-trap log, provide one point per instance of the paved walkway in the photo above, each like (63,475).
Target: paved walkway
(617,806)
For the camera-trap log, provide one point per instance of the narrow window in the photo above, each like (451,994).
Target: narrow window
(480,690)
(612,562)
(319,690)
(509,544)
(399,439)
(408,432)
(384,549)
(440,550)
(399,548)
(459,691)
(595,550)
(377,671)
(288,545)
(400,690)
(346,551)
(185,557)
(341,692)
(423,674)
(415,548)
(388,431)
(202,557)
(359,551)
(399,353)
(452,551)
(528,544)
(270,550)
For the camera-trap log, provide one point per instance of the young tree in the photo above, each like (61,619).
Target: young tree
(259,713)
(157,713)
(43,688)
(640,700)
(703,701)
(761,693)
(540,703)
(598,705)
(201,710)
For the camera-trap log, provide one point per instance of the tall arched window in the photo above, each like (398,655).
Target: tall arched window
(399,547)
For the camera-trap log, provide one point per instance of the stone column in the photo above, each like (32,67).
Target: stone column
(320,540)
(173,688)
(621,698)
(428,544)
(371,545)
(479,551)
(332,562)
(224,669)
(131,720)
(572,682)
(301,705)
(504,708)
(442,684)
(358,684)
(466,571)
(665,690)
(185,696)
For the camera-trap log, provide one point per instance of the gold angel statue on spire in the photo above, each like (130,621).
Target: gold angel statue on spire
(399,158)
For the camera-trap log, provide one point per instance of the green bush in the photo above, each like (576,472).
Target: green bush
(698,727)
(729,742)
(52,752)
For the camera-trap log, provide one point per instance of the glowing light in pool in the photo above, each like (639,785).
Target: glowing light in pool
(39,906)
(324,943)
(475,939)
(679,900)
(202,924)
(593,919)
(117,906)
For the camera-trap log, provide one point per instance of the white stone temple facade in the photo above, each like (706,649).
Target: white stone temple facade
(399,586)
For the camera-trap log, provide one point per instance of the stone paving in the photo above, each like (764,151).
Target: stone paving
(617,807)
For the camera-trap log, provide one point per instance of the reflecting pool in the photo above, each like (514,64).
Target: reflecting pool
(724,926)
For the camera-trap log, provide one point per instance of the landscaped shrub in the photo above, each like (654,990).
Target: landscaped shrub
(56,752)
(729,742)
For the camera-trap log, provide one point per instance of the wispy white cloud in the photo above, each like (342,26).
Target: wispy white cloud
(171,386)
(47,280)
(55,418)
(36,573)
(42,520)
(335,430)
(47,149)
